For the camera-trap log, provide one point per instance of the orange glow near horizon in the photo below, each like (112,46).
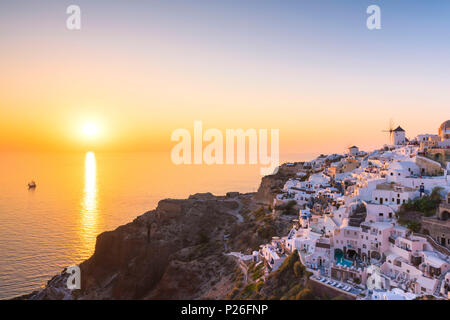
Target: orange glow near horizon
(141,91)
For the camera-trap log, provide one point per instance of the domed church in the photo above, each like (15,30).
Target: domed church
(441,151)
(444,131)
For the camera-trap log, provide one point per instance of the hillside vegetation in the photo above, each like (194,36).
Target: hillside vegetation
(410,214)
(288,282)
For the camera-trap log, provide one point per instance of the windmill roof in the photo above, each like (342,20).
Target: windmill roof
(399,129)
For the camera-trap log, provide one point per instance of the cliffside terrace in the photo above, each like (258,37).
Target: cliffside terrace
(394,187)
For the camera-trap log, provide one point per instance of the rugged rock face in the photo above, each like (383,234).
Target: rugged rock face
(272,184)
(178,250)
(173,252)
(289,282)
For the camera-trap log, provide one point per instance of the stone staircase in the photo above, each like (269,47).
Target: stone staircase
(434,244)
(437,292)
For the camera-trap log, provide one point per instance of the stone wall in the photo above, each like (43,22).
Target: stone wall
(320,289)
(439,230)
(429,167)
(444,212)
(440,155)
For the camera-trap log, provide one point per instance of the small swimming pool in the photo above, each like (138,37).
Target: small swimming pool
(345,262)
(339,256)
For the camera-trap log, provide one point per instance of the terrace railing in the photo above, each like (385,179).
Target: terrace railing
(434,244)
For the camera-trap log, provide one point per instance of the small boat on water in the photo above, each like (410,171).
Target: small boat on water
(31,185)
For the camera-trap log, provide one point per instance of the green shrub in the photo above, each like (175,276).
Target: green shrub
(249,289)
(426,204)
(259,213)
(288,263)
(233,293)
(414,226)
(299,269)
(305,294)
(257,272)
(203,238)
(291,204)
(259,286)
(292,293)
(266,231)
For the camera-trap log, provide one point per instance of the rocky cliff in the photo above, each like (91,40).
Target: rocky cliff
(173,252)
(273,184)
(178,250)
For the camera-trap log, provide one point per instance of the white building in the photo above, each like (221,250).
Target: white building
(398,137)
(353,150)
(377,255)
(444,134)
(393,194)
(402,169)
(394,294)
(273,254)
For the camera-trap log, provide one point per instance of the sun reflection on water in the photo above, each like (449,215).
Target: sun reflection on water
(88,230)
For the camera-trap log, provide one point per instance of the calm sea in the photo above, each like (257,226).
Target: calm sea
(79,196)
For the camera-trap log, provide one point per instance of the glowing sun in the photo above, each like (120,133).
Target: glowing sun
(90,130)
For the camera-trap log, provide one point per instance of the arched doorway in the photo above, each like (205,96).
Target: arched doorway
(338,254)
(437,157)
(444,215)
(351,253)
(375,255)
(364,257)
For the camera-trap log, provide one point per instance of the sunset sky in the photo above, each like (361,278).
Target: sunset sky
(140,70)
